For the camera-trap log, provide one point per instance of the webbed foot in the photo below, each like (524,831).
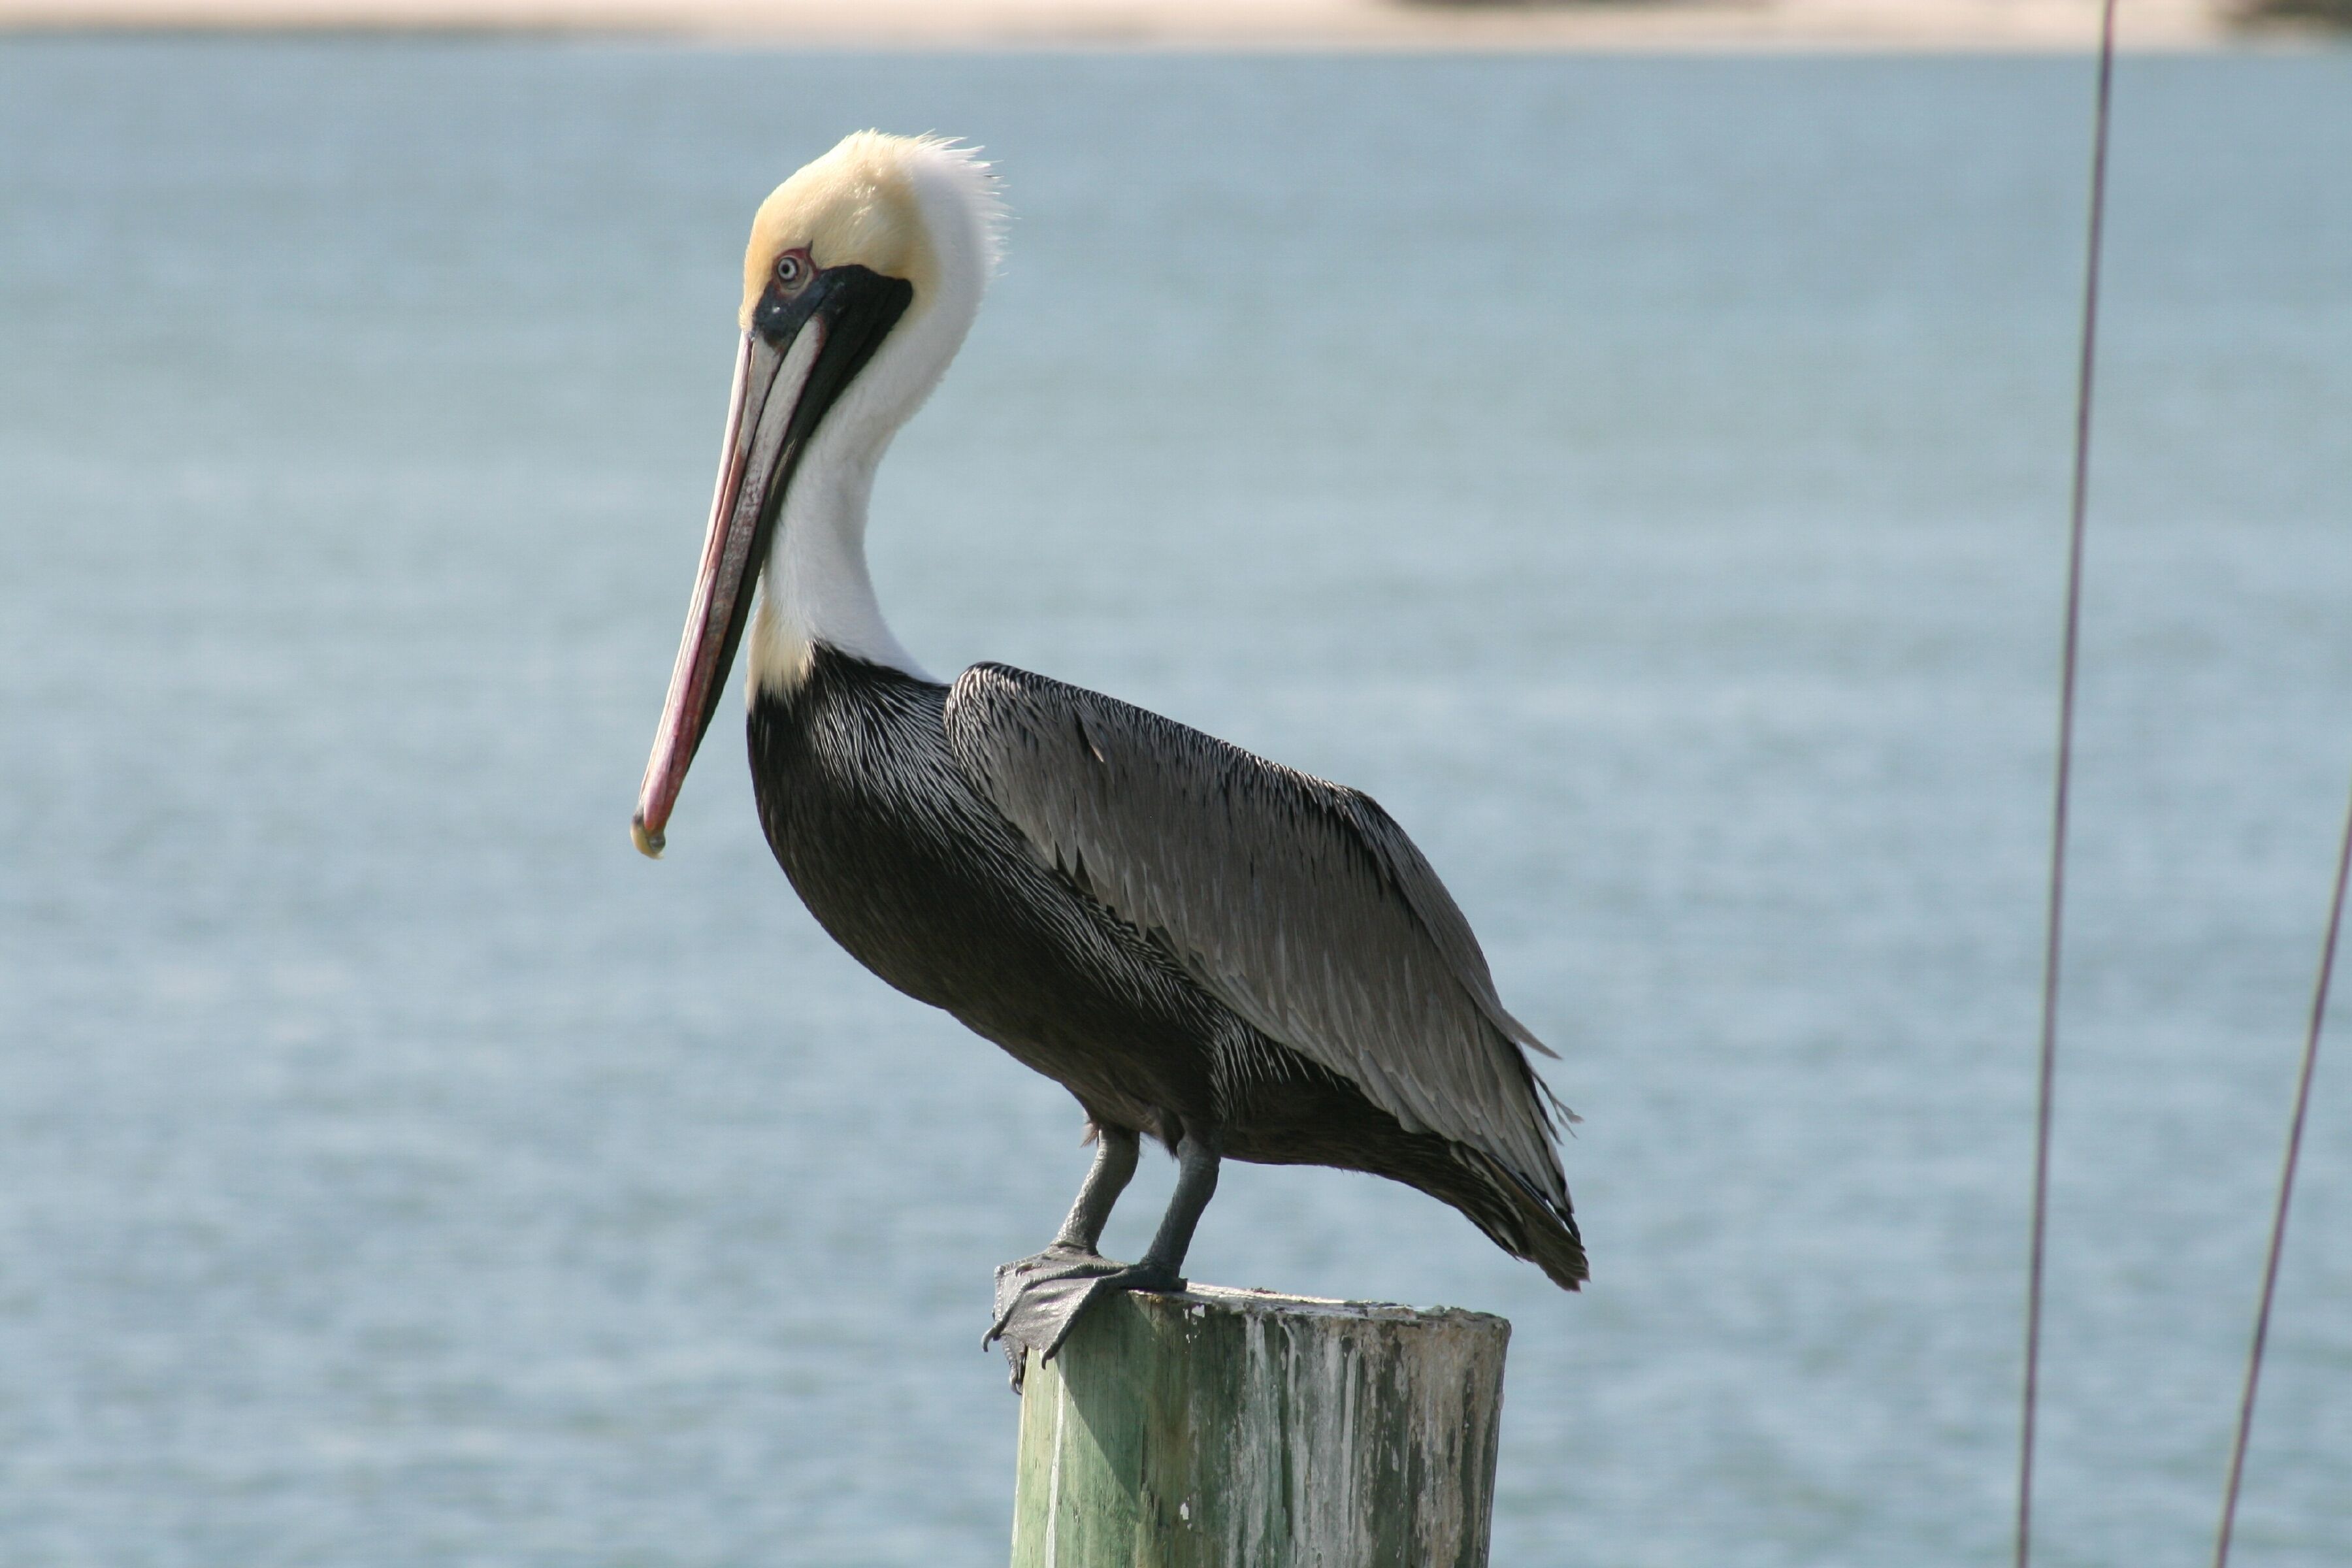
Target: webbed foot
(1039,1298)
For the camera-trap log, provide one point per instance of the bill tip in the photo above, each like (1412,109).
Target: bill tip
(647,840)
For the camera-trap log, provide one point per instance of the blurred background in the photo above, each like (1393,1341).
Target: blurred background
(1645,473)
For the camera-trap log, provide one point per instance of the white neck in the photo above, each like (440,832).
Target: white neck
(816,588)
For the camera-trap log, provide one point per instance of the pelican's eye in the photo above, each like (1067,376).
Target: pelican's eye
(794,271)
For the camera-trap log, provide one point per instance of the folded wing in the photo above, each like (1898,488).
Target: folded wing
(1300,904)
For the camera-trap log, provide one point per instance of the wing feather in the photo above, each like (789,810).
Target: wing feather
(1300,904)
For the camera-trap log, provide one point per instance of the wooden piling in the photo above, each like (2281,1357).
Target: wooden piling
(1241,1429)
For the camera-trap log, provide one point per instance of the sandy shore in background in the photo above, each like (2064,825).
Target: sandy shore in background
(1697,25)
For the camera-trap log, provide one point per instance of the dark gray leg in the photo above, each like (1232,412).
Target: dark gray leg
(1196,1184)
(1114,1166)
(1038,1299)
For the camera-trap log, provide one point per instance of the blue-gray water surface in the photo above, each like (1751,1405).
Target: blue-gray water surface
(1646,477)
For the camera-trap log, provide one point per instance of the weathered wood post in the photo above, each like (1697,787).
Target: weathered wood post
(1241,1429)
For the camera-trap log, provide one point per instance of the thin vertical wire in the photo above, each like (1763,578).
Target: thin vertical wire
(2285,1197)
(2068,664)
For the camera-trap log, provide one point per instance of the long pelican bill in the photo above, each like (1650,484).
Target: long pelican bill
(803,346)
(767,389)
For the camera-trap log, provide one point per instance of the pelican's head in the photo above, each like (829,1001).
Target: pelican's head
(863,275)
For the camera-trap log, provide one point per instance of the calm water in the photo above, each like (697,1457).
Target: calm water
(1645,476)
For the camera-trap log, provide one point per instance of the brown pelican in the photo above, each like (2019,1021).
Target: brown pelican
(1205,947)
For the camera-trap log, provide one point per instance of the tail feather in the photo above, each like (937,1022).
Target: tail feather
(1552,1241)
(1517,1218)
